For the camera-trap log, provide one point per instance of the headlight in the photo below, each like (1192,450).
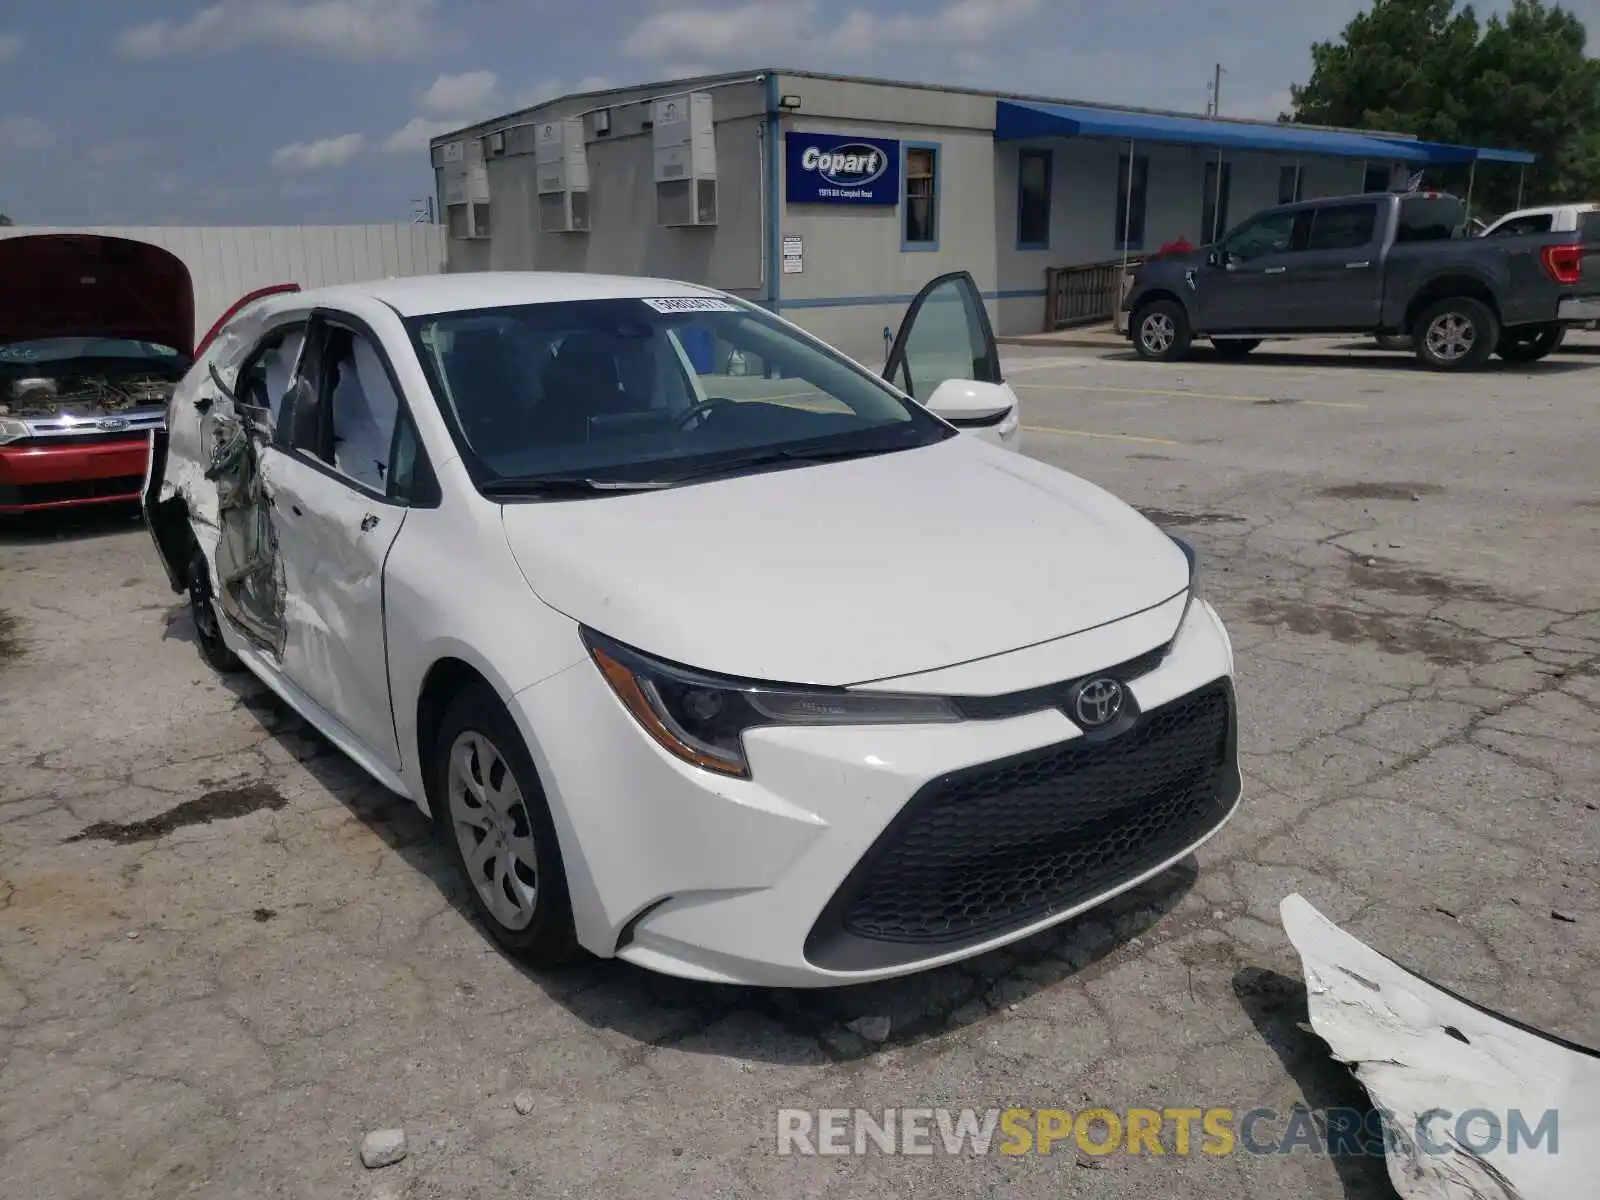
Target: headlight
(12,430)
(701,718)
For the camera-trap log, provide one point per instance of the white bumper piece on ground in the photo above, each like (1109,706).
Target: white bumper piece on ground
(1469,1093)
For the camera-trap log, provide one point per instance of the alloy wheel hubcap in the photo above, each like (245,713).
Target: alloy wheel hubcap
(492,829)
(1451,336)
(1157,332)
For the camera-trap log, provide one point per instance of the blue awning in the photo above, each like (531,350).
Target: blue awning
(1019,120)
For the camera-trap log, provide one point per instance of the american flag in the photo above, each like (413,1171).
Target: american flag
(1414,182)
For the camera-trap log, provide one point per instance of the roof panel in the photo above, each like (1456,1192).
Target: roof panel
(1016,120)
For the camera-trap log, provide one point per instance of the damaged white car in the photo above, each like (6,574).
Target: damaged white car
(708,648)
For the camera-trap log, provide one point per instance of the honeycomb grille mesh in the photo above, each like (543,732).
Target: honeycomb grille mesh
(993,847)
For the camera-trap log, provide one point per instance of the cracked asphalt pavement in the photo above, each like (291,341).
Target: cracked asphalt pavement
(226,957)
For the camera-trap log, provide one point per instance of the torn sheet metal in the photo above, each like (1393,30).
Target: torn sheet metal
(1468,1095)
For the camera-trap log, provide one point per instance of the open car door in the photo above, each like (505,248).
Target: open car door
(945,358)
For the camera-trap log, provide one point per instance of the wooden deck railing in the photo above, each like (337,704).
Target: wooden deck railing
(1084,293)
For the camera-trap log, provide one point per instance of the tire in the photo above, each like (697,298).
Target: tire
(1234,347)
(1394,341)
(1529,343)
(486,793)
(207,625)
(1457,333)
(1161,331)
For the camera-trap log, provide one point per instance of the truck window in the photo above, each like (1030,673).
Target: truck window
(1269,233)
(1429,218)
(1342,226)
(1518,226)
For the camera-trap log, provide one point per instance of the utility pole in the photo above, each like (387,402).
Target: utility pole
(1214,106)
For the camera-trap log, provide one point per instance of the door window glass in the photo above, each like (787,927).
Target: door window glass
(365,408)
(947,339)
(264,379)
(1343,226)
(1270,233)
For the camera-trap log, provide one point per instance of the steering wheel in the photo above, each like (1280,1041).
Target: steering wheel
(700,411)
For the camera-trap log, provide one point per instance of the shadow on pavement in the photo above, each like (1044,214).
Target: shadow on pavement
(1276,1005)
(69,524)
(813,1024)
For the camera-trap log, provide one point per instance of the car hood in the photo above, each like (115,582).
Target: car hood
(88,285)
(849,572)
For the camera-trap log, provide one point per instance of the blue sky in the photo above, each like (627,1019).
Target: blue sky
(311,111)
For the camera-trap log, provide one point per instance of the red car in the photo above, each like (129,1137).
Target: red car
(95,332)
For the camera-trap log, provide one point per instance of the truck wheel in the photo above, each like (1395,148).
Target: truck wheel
(203,608)
(1529,343)
(1234,347)
(1457,333)
(1394,341)
(1161,331)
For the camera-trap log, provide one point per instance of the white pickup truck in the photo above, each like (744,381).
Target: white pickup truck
(1551,218)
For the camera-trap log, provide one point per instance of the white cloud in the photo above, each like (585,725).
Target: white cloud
(413,137)
(1264,108)
(468,95)
(323,153)
(749,31)
(347,28)
(963,24)
(21,134)
(546,89)
(10,45)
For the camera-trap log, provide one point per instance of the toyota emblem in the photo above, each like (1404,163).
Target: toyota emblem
(1099,703)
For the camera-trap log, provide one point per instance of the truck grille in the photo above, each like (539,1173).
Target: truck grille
(995,847)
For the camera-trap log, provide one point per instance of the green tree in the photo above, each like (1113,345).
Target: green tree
(1519,81)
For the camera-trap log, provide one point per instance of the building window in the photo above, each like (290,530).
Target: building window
(1377,179)
(1033,200)
(1130,202)
(1291,185)
(921,197)
(455,217)
(1214,201)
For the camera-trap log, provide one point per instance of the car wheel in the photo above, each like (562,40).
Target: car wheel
(492,811)
(1161,331)
(1530,345)
(1234,347)
(1394,341)
(207,625)
(1456,334)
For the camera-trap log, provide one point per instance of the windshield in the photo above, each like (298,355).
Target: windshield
(60,349)
(649,390)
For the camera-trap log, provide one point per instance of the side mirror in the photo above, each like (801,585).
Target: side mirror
(1216,258)
(968,402)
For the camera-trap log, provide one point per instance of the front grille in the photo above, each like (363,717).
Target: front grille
(995,847)
(77,440)
(127,486)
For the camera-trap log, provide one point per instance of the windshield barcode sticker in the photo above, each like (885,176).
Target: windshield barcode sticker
(681,304)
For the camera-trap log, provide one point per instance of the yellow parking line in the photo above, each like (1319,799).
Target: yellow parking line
(1117,437)
(1182,395)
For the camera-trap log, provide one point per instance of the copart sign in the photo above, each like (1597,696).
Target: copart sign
(828,168)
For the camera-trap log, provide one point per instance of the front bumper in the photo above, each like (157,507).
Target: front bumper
(42,473)
(1577,310)
(861,853)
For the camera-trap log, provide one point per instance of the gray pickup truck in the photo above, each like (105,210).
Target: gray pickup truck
(1397,265)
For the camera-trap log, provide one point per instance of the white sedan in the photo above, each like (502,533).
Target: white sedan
(705,647)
